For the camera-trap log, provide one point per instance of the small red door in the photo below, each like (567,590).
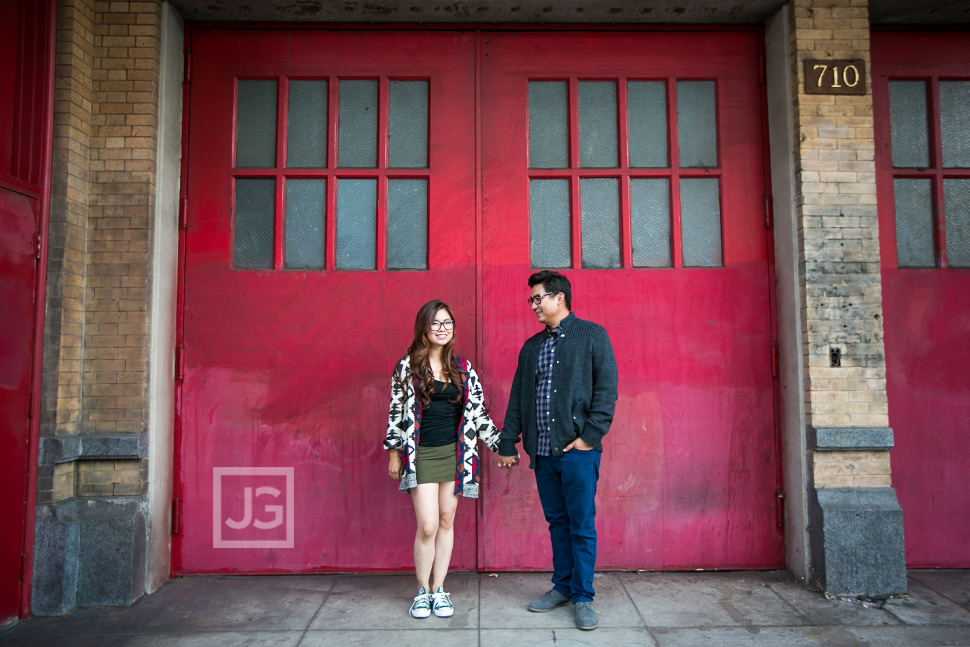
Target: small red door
(331,192)
(920,94)
(634,163)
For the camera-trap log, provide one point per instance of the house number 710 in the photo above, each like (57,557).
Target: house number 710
(850,75)
(835,77)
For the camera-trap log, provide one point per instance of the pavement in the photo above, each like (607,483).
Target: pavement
(713,609)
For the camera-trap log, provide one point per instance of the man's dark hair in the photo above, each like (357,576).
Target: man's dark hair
(553,282)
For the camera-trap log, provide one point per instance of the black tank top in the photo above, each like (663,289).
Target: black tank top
(440,420)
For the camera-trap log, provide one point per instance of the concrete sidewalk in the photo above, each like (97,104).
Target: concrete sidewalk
(663,609)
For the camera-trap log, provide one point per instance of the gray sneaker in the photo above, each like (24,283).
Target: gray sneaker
(585,616)
(548,602)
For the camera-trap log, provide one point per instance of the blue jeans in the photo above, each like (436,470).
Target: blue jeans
(567,489)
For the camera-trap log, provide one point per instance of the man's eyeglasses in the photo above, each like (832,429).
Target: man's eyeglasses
(447,324)
(537,299)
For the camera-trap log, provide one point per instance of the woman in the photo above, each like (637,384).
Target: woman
(437,416)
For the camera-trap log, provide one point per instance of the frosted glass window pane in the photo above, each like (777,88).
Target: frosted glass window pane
(356,224)
(955,123)
(357,136)
(700,222)
(914,223)
(647,110)
(549,223)
(306,219)
(597,124)
(650,220)
(600,199)
(407,224)
(908,124)
(254,226)
(956,198)
(548,125)
(256,124)
(306,125)
(407,132)
(696,124)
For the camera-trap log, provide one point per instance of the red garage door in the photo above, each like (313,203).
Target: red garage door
(634,162)
(921,94)
(337,180)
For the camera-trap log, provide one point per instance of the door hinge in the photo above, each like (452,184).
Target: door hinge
(184,212)
(188,66)
(23,567)
(768,211)
(179,362)
(30,403)
(176,516)
(774,360)
(780,508)
(37,246)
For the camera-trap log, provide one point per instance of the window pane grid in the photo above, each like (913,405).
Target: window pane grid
(293,157)
(645,209)
(930,114)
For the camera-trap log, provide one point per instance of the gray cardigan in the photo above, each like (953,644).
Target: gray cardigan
(584,390)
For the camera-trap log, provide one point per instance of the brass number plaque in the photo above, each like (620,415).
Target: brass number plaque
(835,77)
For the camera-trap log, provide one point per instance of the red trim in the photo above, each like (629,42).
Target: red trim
(471,26)
(33,440)
(176,537)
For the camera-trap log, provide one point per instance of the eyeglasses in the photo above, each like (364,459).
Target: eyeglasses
(535,300)
(447,324)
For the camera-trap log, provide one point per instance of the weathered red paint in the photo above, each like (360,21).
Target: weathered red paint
(291,369)
(926,324)
(689,473)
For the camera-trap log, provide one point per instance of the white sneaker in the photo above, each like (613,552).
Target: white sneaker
(421,608)
(442,604)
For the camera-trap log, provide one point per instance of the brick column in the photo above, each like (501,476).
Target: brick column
(856,541)
(91,491)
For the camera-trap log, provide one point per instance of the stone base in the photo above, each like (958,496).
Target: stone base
(88,553)
(857,542)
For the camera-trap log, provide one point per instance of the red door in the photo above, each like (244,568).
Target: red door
(18,227)
(920,93)
(291,325)
(634,163)
(331,192)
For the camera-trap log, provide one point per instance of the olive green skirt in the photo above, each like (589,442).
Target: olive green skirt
(435,464)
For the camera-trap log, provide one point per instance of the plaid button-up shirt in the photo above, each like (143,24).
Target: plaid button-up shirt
(547,355)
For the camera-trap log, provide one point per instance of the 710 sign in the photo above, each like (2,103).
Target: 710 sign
(835,77)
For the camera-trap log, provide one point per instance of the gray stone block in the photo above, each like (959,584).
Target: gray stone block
(850,438)
(89,553)
(54,584)
(857,545)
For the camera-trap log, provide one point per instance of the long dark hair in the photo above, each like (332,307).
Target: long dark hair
(419,350)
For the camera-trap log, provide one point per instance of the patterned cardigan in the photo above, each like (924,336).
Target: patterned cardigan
(404,427)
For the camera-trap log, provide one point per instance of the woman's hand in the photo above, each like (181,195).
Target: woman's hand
(394,467)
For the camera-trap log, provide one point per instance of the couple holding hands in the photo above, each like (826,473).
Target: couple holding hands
(561,405)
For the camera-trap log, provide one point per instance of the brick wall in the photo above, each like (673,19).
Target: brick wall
(839,243)
(96,335)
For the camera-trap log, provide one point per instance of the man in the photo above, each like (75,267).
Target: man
(561,405)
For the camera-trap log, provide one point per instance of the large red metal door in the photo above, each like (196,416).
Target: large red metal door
(921,94)
(634,163)
(331,191)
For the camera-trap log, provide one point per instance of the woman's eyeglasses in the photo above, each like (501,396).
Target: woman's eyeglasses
(447,324)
